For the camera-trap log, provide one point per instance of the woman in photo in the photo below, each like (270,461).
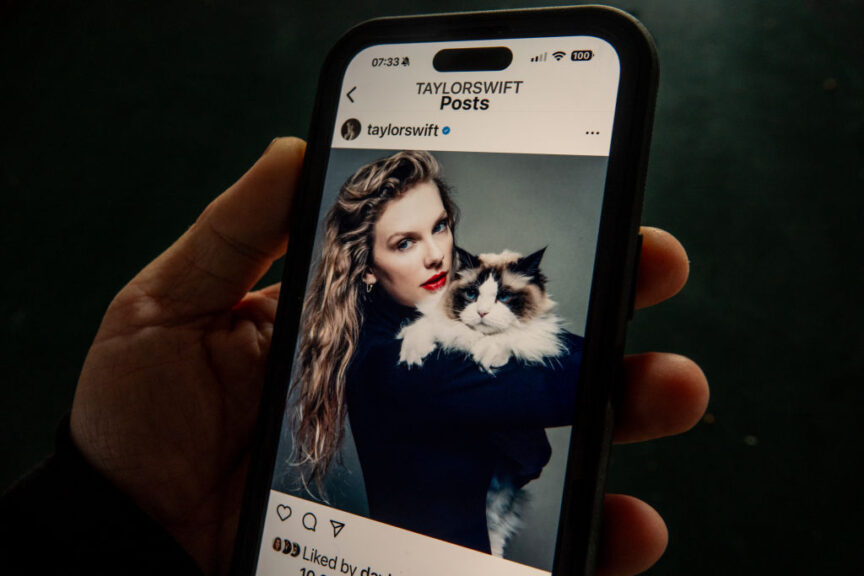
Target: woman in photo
(431,439)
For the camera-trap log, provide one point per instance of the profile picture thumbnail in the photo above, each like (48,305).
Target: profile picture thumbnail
(351,129)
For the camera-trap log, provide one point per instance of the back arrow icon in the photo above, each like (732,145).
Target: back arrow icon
(349,93)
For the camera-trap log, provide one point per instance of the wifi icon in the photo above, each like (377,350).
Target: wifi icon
(558,55)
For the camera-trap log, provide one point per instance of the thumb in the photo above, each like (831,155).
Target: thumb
(232,244)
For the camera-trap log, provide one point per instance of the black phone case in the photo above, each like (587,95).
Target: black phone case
(613,286)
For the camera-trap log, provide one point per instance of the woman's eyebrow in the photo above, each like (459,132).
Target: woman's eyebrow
(440,217)
(397,235)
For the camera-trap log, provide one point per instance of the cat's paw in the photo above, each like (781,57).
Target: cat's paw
(416,345)
(490,354)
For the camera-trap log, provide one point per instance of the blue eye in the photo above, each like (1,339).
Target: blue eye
(504,296)
(441,226)
(404,244)
(471,294)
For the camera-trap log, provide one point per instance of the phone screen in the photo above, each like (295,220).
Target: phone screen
(436,442)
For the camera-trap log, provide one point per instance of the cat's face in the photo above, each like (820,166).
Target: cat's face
(493,292)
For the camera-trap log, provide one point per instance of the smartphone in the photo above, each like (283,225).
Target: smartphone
(462,265)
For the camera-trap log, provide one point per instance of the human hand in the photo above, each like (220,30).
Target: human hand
(169,392)
(167,399)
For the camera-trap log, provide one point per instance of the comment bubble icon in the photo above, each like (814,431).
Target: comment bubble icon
(310,521)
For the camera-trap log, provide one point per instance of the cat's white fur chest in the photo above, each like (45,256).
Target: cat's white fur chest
(487,331)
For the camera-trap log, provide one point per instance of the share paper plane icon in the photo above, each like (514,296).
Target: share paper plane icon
(337,527)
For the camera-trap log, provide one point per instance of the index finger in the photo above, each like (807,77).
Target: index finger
(663,267)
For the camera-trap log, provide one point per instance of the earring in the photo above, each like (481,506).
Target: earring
(369,287)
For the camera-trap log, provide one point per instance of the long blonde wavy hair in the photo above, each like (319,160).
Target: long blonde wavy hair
(333,308)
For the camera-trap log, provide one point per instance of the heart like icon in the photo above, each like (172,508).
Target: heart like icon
(283,511)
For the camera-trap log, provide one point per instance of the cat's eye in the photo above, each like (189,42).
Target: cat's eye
(471,294)
(504,296)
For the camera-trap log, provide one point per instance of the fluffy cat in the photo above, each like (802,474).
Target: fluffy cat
(496,308)
(504,503)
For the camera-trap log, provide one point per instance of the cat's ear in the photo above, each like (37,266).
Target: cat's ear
(466,260)
(529,265)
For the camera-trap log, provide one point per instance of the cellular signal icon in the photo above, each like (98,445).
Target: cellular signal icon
(559,55)
(539,57)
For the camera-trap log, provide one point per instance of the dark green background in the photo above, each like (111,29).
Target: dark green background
(120,121)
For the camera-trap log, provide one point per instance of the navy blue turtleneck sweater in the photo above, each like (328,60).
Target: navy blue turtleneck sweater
(430,438)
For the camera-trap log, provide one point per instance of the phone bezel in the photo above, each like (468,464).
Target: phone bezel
(614,273)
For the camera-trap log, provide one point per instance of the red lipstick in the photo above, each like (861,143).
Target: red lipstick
(436,282)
